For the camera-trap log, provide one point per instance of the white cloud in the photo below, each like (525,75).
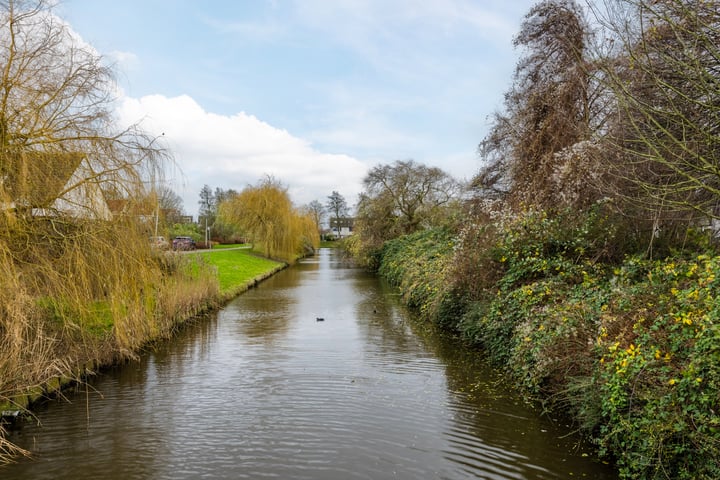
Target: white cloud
(234,151)
(125,60)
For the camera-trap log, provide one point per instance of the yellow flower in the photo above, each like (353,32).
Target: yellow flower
(672,381)
(698,380)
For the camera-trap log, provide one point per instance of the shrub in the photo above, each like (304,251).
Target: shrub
(630,347)
(659,370)
(79,292)
(418,265)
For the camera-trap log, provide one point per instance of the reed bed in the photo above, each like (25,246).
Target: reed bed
(80,294)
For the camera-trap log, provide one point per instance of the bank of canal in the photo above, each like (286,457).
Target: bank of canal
(263,389)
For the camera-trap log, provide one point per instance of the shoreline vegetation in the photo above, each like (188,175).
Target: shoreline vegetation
(56,338)
(238,268)
(630,350)
(584,256)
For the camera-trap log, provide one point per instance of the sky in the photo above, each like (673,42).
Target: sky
(312,92)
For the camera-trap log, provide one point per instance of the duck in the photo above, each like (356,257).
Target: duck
(319,319)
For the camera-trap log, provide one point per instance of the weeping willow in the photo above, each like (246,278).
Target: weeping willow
(266,215)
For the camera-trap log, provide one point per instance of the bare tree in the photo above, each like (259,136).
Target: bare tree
(170,204)
(221,195)
(402,198)
(317,211)
(666,81)
(337,208)
(415,192)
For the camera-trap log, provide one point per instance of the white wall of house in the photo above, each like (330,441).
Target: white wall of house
(82,198)
(344,232)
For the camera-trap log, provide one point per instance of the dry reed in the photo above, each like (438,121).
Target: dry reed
(78,294)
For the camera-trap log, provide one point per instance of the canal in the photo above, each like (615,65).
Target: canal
(318,373)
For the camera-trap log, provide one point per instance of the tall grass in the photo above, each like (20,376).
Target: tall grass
(78,294)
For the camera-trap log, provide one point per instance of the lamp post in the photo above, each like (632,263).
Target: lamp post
(207,229)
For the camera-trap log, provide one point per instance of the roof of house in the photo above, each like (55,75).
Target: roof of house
(342,222)
(36,179)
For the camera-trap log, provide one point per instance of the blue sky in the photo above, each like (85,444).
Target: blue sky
(314,92)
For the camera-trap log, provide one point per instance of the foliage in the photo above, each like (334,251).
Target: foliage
(266,214)
(659,368)
(78,283)
(417,264)
(79,292)
(630,347)
(539,257)
(597,165)
(191,230)
(400,199)
(217,229)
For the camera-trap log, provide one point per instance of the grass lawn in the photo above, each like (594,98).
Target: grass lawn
(238,267)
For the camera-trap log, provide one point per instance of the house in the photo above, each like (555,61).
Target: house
(48,184)
(142,209)
(342,226)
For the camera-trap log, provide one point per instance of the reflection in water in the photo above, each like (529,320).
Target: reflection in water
(263,390)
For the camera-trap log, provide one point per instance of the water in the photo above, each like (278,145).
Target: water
(265,390)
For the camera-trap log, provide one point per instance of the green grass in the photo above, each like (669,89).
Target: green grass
(238,267)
